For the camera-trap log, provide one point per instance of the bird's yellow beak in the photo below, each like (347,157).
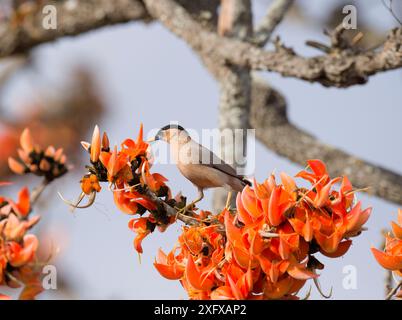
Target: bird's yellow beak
(150,140)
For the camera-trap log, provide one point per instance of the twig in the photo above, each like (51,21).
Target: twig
(275,14)
(36,193)
(394,291)
(170,211)
(76,17)
(318,45)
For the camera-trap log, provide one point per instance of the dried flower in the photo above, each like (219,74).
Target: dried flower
(391,257)
(49,163)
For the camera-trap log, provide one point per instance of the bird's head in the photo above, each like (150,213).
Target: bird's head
(172,132)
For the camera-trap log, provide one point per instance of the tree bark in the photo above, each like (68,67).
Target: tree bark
(235,92)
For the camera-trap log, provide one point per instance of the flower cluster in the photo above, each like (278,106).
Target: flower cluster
(265,249)
(391,257)
(17,248)
(49,163)
(19,265)
(135,189)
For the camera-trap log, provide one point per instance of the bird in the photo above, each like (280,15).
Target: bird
(199,165)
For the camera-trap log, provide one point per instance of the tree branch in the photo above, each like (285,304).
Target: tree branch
(394,291)
(24,31)
(341,68)
(235,90)
(170,211)
(273,129)
(22,34)
(275,14)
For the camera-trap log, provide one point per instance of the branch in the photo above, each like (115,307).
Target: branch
(235,89)
(342,68)
(276,13)
(37,192)
(19,36)
(394,291)
(273,129)
(171,211)
(24,31)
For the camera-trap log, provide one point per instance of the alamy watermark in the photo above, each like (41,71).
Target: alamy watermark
(350,19)
(49,279)
(49,21)
(349,281)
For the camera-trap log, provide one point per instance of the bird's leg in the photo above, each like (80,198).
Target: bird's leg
(200,197)
(228,200)
(190,205)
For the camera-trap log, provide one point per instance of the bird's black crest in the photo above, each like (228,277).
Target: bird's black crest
(172,126)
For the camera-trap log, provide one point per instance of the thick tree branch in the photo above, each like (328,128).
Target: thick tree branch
(235,90)
(24,31)
(276,13)
(268,117)
(21,34)
(341,68)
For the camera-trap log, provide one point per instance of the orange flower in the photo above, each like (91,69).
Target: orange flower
(19,255)
(167,266)
(133,149)
(90,184)
(21,208)
(114,163)
(278,227)
(18,265)
(142,227)
(391,257)
(14,229)
(129,201)
(154,181)
(50,163)
(198,278)
(95,145)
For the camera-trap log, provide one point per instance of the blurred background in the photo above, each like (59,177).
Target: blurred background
(123,75)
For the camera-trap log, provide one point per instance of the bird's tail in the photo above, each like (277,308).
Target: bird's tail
(246,181)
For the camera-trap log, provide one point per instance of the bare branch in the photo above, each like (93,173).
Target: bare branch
(24,30)
(73,19)
(275,14)
(343,68)
(273,129)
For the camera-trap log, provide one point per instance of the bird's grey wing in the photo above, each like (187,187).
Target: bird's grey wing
(210,159)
